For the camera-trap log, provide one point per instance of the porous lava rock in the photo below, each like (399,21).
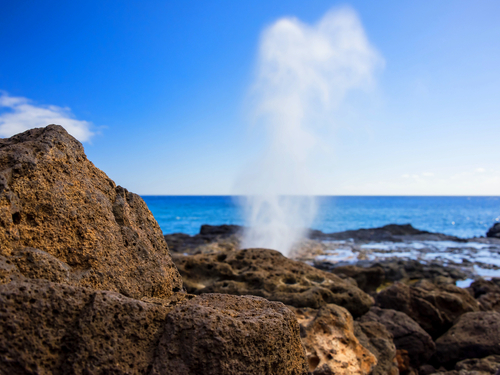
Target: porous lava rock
(331,346)
(53,199)
(375,337)
(474,335)
(218,334)
(433,307)
(56,328)
(407,334)
(269,274)
(74,248)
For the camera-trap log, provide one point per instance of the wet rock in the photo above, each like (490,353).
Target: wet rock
(433,307)
(474,335)
(494,231)
(222,334)
(268,274)
(391,232)
(53,199)
(408,335)
(368,279)
(375,337)
(48,327)
(482,286)
(488,365)
(330,344)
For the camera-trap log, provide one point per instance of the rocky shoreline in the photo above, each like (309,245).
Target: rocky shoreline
(88,285)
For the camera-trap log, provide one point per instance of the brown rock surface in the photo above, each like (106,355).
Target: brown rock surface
(268,274)
(408,335)
(368,279)
(474,335)
(52,198)
(433,307)
(52,328)
(222,334)
(330,343)
(375,337)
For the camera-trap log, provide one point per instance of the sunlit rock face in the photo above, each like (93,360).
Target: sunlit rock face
(87,285)
(53,199)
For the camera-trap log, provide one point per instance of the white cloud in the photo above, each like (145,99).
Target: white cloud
(18,114)
(480,170)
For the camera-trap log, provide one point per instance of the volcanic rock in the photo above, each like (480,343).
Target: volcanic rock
(70,240)
(433,307)
(222,334)
(368,279)
(211,239)
(55,328)
(494,231)
(474,335)
(52,198)
(375,337)
(391,232)
(330,344)
(408,335)
(267,273)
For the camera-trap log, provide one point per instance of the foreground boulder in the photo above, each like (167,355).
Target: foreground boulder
(87,285)
(474,335)
(494,231)
(53,199)
(433,307)
(330,343)
(267,273)
(55,328)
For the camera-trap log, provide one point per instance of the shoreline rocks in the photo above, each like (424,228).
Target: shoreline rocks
(87,284)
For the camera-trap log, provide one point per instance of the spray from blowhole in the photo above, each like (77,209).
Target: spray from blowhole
(303,73)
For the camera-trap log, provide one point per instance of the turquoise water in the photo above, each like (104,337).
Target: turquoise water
(459,216)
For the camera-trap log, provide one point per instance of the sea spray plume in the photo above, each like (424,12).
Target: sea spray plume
(303,73)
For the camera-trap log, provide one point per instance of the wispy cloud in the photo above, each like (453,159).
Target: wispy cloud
(18,114)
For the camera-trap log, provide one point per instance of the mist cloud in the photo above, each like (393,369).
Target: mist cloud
(303,74)
(18,114)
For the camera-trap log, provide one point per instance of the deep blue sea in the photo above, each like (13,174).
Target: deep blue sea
(460,216)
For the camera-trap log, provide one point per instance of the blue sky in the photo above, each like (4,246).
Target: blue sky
(159,92)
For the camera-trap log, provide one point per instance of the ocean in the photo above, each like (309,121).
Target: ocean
(463,217)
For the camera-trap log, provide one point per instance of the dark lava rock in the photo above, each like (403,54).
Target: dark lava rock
(494,231)
(267,273)
(391,232)
(222,334)
(474,335)
(402,269)
(375,337)
(221,237)
(408,335)
(368,279)
(52,198)
(433,307)
(487,293)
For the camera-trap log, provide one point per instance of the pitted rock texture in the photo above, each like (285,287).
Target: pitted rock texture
(474,335)
(89,231)
(222,334)
(408,335)
(267,273)
(433,307)
(52,328)
(330,343)
(368,279)
(375,337)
